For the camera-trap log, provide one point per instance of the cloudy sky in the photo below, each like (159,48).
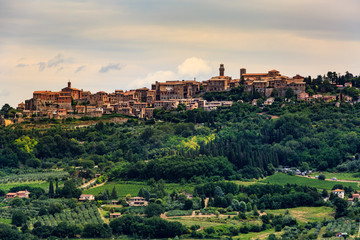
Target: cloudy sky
(125,44)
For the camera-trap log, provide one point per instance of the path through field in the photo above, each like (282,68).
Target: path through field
(91,182)
(329,179)
(88,183)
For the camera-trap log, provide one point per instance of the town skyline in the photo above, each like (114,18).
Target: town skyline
(126,45)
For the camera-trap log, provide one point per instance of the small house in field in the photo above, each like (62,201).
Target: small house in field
(114,202)
(11,195)
(188,195)
(20,194)
(115,215)
(339,192)
(88,197)
(23,194)
(137,201)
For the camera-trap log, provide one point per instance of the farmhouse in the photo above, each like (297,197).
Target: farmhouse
(115,215)
(339,192)
(137,201)
(20,194)
(88,197)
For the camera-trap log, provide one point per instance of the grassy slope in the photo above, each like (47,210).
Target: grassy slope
(283,179)
(339,176)
(260,235)
(307,214)
(6,187)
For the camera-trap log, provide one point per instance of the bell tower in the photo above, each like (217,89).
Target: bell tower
(69,84)
(221,70)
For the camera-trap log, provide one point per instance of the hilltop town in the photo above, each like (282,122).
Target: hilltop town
(73,102)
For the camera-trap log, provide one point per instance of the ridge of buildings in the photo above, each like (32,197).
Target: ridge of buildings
(73,102)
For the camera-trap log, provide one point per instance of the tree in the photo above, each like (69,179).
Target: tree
(96,231)
(188,204)
(64,230)
(272,237)
(325,193)
(26,144)
(218,192)
(51,189)
(114,193)
(242,206)
(16,202)
(153,209)
(321,177)
(9,233)
(18,218)
(42,231)
(235,205)
(340,207)
(255,211)
(55,207)
(248,207)
(106,194)
(289,93)
(304,167)
(5,108)
(70,190)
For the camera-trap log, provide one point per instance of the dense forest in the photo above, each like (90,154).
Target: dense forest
(242,141)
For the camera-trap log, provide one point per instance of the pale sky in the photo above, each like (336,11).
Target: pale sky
(126,44)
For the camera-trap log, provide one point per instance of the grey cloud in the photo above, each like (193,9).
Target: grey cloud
(109,67)
(79,69)
(41,66)
(57,60)
(20,65)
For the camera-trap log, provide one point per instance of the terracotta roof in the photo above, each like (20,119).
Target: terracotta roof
(338,190)
(257,74)
(75,89)
(44,91)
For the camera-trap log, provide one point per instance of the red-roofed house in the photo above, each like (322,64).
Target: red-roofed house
(339,192)
(88,197)
(20,194)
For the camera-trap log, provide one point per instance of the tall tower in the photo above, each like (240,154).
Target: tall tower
(221,69)
(69,84)
(242,71)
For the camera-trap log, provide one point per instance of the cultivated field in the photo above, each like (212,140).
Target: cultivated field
(307,214)
(283,179)
(339,176)
(8,186)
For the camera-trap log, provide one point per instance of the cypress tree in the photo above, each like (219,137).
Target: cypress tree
(106,195)
(51,189)
(114,193)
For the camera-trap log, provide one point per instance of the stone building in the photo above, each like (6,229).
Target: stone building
(265,83)
(175,89)
(220,83)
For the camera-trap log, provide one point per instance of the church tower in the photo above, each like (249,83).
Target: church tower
(221,69)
